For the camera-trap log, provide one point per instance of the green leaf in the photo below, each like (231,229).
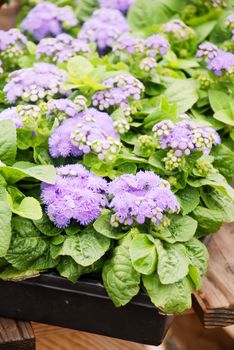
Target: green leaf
(218,100)
(223,161)
(103,226)
(46,227)
(85,8)
(120,279)
(183,93)
(141,17)
(181,229)
(86,247)
(78,67)
(209,220)
(143,254)
(44,173)
(7,142)
(12,274)
(172,262)
(5,223)
(69,269)
(28,208)
(198,256)
(189,199)
(203,30)
(170,298)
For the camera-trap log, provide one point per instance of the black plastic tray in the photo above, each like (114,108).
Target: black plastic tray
(84,306)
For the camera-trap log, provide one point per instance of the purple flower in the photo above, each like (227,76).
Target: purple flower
(136,198)
(104,27)
(90,130)
(121,5)
(222,63)
(129,45)
(178,30)
(156,44)
(41,81)
(122,89)
(183,138)
(207,50)
(77,195)
(64,108)
(148,63)
(12,46)
(11,114)
(47,19)
(61,48)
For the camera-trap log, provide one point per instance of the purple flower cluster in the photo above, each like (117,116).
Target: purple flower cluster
(183,138)
(61,48)
(222,63)
(12,46)
(136,198)
(207,51)
(12,114)
(104,27)
(146,50)
(122,89)
(41,81)
(77,195)
(121,5)
(47,19)
(90,130)
(178,30)
(64,108)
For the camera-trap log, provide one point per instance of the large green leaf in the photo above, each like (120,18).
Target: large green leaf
(85,247)
(46,226)
(28,208)
(184,93)
(209,220)
(143,254)
(5,223)
(103,226)
(121,280)
(219,100)
(170,298)
(223,161)
(198,256)
(7,142)
(173,262)
(189,199)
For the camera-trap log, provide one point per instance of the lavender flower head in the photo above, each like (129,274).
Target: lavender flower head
(104,27)
(61,48)
(89,131)
(121,5)
(12,114)
(41,81)
(64,108)
(182,139)
(12,46)
(156,44)
(136,198)
(129,45)
(47,19)
(77,195)
(122,89)
(222,63)
(207,51)
(178,30)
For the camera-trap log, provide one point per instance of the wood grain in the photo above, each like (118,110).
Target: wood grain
(16,335)
(215,302)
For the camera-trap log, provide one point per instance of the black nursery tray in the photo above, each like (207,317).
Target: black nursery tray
(84,306)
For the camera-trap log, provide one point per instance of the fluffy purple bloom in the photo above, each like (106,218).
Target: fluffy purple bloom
(122,89)
(183,138)
(61,48)
(129,45)
(136,198)
(77,195)
(90,130)
(12,46)
(222,63)
(207,51)
(104,27)
(179,30)
(64,108)
(47,19)
(156,44)
(41,81)
(12,114)
(121,5)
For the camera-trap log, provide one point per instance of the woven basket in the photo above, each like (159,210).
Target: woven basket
(8,13)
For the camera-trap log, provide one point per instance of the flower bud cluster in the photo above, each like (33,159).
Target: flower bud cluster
(61,48)
(121,90)
(12,46)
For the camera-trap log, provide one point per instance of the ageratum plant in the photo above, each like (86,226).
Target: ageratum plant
(116,143)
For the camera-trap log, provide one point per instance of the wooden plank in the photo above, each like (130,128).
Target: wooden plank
(16,335)
(215,302)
